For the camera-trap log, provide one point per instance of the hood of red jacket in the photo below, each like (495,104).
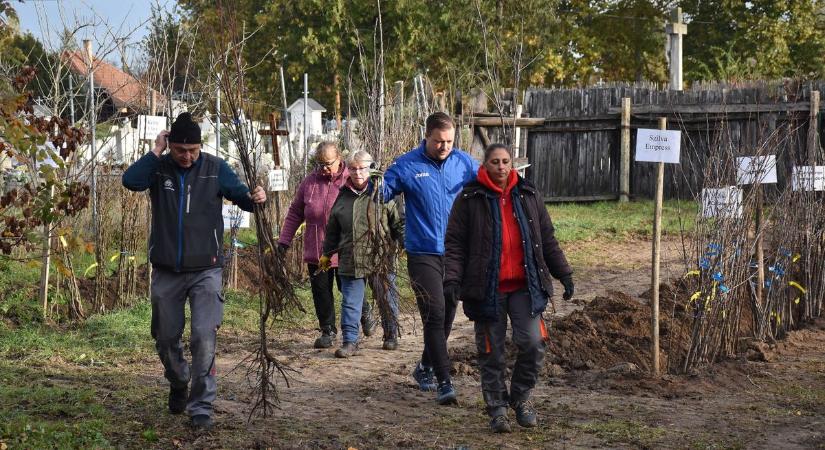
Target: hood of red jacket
(486,181)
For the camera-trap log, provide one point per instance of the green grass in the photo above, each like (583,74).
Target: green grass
(810,399)
(38,413)
(618,221)
(120,336)
(624,431)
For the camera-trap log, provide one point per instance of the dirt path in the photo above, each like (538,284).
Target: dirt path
(370,401)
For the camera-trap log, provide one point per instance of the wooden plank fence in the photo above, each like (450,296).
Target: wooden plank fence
(575,151)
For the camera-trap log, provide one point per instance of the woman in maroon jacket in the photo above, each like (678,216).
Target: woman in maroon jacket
(499,223)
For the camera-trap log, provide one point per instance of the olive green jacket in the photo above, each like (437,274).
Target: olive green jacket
(364,232)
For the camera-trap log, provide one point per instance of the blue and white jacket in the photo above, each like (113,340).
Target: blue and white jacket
(429,189)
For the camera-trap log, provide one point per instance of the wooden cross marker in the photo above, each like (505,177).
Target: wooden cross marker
(675,30)
(273,132)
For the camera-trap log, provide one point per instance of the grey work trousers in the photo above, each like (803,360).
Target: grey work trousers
(529,337)
(169,293)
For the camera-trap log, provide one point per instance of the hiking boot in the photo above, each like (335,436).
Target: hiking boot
(526,414)
(347,350)
(390,344)
(500,424)
(368,324)
(201,422)
(446,393)
(425,378)
(177,399)
(326,340)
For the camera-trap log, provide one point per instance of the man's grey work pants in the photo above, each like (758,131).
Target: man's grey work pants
(169,293)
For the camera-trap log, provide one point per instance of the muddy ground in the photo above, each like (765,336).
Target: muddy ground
(370,401)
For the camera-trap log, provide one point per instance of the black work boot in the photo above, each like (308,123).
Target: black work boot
(368,324)
(177,399)
(390,344)
(525,414)
(347,350)
(500,424)
(326,340)
(201,422)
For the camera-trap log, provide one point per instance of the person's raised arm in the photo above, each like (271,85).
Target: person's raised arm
(138,177)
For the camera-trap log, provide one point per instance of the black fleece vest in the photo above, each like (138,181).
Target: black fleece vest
(187,225)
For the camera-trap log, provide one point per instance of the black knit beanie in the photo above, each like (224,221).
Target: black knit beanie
(184,130)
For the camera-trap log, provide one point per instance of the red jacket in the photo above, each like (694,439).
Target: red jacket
(511,276)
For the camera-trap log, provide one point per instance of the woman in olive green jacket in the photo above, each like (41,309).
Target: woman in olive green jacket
(367,236)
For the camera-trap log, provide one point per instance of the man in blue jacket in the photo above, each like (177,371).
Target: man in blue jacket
(187,189)
(431,176)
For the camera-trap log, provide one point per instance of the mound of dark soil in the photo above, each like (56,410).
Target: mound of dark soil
(613,330)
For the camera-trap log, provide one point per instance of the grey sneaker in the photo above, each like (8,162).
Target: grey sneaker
(326,340)
(525,414)
(347,350)
(500,424)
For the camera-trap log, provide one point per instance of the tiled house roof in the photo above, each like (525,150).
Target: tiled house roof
(125,90)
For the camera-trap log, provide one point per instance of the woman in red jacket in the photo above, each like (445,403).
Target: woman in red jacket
(499,223)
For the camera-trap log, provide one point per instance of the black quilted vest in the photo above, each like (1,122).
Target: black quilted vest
(187,225)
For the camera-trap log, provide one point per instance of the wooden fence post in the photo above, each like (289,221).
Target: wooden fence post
(657,240)
(813,129)
(46,262)
(624,165)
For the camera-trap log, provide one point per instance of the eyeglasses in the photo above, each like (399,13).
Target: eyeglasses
(359,169)
(326,164)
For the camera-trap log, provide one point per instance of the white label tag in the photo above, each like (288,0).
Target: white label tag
(756,169)
(658,145)
(723,202)
(808,178)
(234,216)
(277,180)
(150,126)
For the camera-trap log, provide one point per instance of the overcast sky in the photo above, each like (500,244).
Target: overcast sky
(98,20)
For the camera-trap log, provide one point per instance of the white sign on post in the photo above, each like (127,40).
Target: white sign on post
(150,126)
(808,178)
(723,202)
(277,180)
(756,169)
(658,145)
(234,216)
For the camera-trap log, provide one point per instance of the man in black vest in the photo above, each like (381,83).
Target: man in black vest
(187,189)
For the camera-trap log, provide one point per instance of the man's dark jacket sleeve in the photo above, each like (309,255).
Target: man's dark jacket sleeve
(138,177)
(233,189)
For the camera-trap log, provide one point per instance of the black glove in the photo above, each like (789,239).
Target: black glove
(567,282)
(452,292)
(282,248)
